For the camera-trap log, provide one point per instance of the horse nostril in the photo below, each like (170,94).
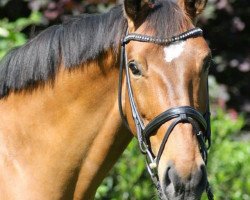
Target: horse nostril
(166,178)
(175,179)
(172,179)
(202,180)
(194,183)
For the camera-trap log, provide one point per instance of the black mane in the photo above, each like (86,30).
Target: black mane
(77,41)
(80,39)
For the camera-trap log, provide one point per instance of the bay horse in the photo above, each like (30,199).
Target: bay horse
(60,124)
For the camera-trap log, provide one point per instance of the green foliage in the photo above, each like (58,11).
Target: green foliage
(128,180)
(229,159)
(10,32)
(228,169)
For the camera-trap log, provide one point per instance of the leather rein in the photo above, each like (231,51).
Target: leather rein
(181,114)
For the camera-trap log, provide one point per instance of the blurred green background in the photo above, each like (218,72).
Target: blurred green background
(226,28)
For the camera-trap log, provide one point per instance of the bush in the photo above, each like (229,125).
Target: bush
(229,159)
(128,179)
(10,32)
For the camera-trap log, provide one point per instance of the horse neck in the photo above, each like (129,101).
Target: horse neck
(70,126)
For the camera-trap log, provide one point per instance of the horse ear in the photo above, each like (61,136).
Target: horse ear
(137,10)
(194,7)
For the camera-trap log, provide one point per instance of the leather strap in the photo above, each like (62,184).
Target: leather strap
(195,32)
(171,114)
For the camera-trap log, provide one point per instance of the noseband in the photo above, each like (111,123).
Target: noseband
(181,114)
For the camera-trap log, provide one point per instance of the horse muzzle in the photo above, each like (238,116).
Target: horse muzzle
(175,187)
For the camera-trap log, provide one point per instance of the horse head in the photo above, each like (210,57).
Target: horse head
(166,61)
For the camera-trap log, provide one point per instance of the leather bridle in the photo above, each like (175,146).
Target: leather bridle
(181,114)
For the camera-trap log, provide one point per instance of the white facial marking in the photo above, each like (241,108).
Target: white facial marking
(173,51)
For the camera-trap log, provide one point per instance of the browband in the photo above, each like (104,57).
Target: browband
(195,32)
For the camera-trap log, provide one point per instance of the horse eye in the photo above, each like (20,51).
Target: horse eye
(134,68)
